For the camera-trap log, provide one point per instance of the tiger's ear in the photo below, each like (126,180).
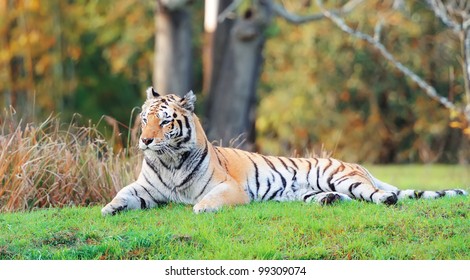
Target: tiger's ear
(187,102)
(151,93)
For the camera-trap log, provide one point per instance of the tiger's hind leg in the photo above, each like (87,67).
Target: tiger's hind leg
(326,198)
(364,190)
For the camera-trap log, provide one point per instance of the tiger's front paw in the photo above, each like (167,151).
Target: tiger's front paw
(329,199)
(205,207)
(388,199)
(111,209)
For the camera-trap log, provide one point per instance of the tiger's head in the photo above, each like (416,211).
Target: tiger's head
(167,122)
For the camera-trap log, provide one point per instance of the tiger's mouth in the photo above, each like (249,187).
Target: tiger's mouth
(158,148)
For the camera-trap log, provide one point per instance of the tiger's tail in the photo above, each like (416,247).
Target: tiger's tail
(416,194)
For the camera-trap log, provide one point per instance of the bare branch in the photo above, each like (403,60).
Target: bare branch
(466,24)
(378,29)
(297,19)
(440,11)
(228,12)
(454,14)
(428,89)
(465,39)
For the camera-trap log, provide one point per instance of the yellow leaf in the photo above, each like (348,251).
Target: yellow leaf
(454,114)
(4,55)
(455,124)
(32,5)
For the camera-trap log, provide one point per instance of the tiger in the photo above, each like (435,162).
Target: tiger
(180,165)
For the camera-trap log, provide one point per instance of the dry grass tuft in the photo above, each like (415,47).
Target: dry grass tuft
(55,165)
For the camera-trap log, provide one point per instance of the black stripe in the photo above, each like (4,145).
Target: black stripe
(143,205)
(268,184)
(271,165)
(372,194)
(180,124)
(250,193)
(308,196)
(183,159)
(328,166)
(283,163)
(318,180)
(295,165)
(151,196)
(223,156)
(152,186)
(205,185)
(268,161)
(217,156)
(308,172)
(155,170)
(274,194)
(188,127)
(418,194)
(256,175)
(163,163)
(352,187)
(294,178)
(332,186)
(196,168)
(341,179)
(192,159)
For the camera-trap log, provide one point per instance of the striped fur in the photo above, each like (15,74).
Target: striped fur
(181,165)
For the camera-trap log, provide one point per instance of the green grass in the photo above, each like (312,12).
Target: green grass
(429,177)
(424,229)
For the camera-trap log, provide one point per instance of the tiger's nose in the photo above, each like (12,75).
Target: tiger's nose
(147,141)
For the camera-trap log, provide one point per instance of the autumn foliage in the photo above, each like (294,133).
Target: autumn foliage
(318,87)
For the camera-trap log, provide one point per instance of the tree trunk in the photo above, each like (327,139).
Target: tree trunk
(231,103)
(173,55)
(210,25)
(465,38)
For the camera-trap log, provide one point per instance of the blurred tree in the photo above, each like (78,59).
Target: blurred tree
(91,57)
(211,11)
(115,66)
(173,47)
(376,122)
(237,62)
(317,86)
(35,54)
(232,94)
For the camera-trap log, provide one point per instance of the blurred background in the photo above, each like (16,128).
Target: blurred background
(276,77)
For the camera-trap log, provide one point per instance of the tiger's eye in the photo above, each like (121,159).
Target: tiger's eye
(164,122)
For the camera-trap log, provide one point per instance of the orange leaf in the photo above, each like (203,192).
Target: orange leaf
(455,124)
